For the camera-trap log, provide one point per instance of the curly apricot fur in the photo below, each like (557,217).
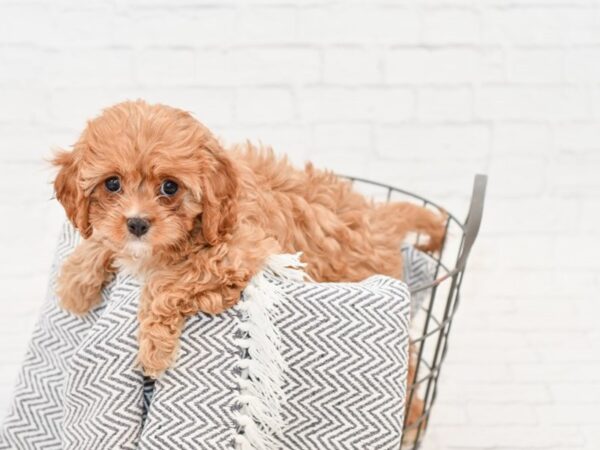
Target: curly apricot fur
(233,209)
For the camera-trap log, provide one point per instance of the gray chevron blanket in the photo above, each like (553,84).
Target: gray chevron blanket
(295,365)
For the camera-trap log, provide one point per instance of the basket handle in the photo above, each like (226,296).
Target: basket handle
(471,229)
(473,221)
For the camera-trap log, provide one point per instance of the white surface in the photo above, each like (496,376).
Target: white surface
(420,94)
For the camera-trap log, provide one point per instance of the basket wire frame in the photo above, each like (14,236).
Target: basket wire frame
(431,325)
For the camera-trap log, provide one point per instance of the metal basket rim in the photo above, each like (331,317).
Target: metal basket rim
(470,226)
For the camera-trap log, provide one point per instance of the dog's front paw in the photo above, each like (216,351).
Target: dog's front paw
(158,350)
(77,291)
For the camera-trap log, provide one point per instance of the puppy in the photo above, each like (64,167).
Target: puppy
(152,192)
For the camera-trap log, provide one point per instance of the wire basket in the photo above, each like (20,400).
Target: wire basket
(431,324)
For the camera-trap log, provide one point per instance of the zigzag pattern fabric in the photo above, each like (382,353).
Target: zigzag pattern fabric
(346,353)
(344,347)
(419,269)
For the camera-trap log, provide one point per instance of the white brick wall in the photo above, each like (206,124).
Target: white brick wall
(420,94)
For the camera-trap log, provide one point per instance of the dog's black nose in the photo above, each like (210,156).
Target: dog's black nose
(138,226)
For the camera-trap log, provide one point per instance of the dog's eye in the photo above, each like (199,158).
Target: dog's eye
(168,188)
(113,184)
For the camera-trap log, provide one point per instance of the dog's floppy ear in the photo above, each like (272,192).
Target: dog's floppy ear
(219,196)
(69,193)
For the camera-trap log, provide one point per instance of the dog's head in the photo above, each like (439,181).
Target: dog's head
(146,177)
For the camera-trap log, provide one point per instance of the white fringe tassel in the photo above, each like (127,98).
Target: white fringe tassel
(261,382)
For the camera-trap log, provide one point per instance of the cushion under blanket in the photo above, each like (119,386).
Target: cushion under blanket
(295,365)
